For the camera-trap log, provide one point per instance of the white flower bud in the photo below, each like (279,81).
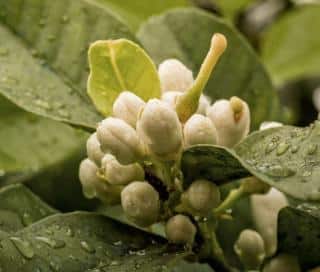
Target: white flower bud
(271,124)
(265,209)
(171,98)
(94,151)
(127,107)
(140,202)
(202,196)
(250,249)
(180,230)
(94,186)
(282,263)
(88,177)
(160,129)
(204,104)
(119,139)
(199,130)
(231,119)
(118,174)
(174,76)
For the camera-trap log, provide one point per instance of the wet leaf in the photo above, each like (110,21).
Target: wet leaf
(214,163)
(287,158)
(291,53)
(84,242)
(299,234)
(185,34)
(116,66)
(19,207)
(43,64)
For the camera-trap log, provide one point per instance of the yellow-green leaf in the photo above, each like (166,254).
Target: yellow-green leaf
(116,66)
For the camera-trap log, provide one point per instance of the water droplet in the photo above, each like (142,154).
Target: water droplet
(87,247)
(64,19)
(118,243)
(51,242)
(282,148)
(311,149)
(63,113)
(51,37)
(2,173)
(70,232)
(4,52)
(42,104)
(54,266)
(307,173)
(279,171)
(294,149)
(23,247)
(26,219)
(270,147)
(114,263)
(42,22)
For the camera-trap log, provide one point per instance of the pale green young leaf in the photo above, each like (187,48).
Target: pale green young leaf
(116,66)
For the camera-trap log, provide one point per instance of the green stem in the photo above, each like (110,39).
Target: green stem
(233,196)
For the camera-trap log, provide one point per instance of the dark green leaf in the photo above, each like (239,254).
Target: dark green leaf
(83,242)
(185,34)
(214,163)
(135,12)
(299,234)
(287,158)
(42,153)
(231,8)
(43,64)
(19,207)
(290,48)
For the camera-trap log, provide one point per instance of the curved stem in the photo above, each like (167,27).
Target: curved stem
(233,196)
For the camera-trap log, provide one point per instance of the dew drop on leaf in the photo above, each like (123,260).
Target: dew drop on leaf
(26,219)
(23,247)
(282,148)
(87,247)
(53,243)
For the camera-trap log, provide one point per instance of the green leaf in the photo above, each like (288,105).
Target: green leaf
(287,158)
(290,47)
(116,66)
(42,153)
(298,234)
(214,163)
(135,12)
(43,60)
(84,242)
(19,207)
(185,34)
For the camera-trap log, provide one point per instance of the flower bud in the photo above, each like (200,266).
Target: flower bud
(265,209)
(250,249)
(180,230)
(127,107)
(202,196)
(88,177)
(118,174)
(252,185)
(171,98)
(282,263)
(174,76)
(199,130)
(204,104)
(140,202)
(231,119)
(94,151)
(160,129)
(119,139)
(267,125)
(94,186)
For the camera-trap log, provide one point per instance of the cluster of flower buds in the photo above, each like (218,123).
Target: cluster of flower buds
(143,135)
